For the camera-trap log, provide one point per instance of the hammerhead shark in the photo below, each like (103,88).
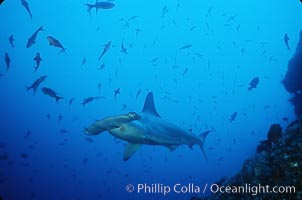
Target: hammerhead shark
(147,128)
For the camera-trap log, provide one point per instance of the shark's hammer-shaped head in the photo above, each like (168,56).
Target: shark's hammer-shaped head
(111,123)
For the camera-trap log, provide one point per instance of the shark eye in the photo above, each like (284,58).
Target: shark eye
(133,115)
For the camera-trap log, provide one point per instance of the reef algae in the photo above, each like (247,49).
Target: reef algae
(280,165)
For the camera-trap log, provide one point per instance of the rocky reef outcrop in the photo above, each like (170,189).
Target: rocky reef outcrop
(293,78)
(278,165)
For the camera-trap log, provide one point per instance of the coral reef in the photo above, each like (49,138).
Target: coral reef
(280,165)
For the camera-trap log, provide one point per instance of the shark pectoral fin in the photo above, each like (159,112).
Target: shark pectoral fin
(130,149)
(172,147)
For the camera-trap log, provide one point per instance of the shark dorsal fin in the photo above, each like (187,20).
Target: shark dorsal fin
(149,106)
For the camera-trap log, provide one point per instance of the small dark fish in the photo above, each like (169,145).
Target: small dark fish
(187,46)
(99,87)
(137,31)
(253,84)
(11,40)
(27,134)
(138,93)
(286,39)
(116,92)
(32,39)
(99,5)
(60,117)
(64,131)
(220,159)
(51,93)
(74,118)
(89,100)
(238,28)
(123,49)
(89,140)
(199,55)
(63,142)
(231,18)
(23,155)
(154,59)
(233,116)
(26,6)
(242,51)
(4,156)
(210,10)
(85,161)
(70,101)
(36,84)
(48,116)
(83,61)
(285,119)
(7,61)
(164,11)
(175,66)
(102,66)
(192,28)
(185,71)
(105,50)
(56,43)
(38,59)
(132,18)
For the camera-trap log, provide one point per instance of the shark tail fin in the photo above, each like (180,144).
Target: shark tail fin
(202,149)
(203,137)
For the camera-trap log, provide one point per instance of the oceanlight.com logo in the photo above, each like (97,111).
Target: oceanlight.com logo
(191,188)
(252,189)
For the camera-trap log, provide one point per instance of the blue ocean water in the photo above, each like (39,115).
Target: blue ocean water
(197,57)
